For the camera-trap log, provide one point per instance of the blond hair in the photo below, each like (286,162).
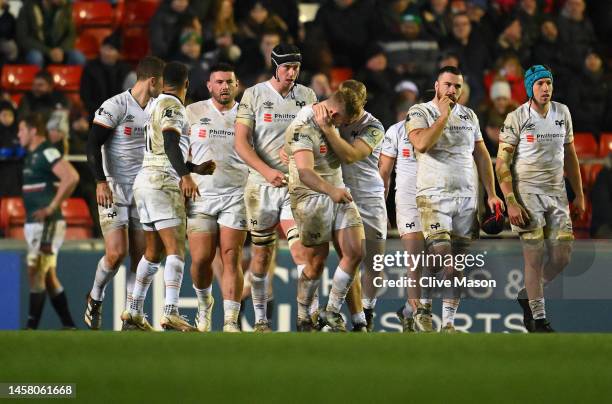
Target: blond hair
(350,100)
(358,88)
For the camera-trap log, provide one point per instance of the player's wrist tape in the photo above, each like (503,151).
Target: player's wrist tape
(510,198)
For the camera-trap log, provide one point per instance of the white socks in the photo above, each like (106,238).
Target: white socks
(144,277)
(538,309)
(129,287)
(104,274)
(449,308)
(305,295)
(259,294)
(231,309)
(173,278)
(368,303)
(204,296)
(340,286)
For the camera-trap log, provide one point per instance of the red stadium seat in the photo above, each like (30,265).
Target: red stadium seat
(88,14)
(12,216)
(18,77)
(605,144)
(66,78)
(16,97)
(76,212)
(135,44)
(338,75)
(89,41)
(585,145)
(138,12)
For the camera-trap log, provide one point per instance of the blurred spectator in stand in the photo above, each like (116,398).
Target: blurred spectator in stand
(530,17)
(511,41)
(11,153)
(415,55)
(492,114)
(406,95)
(380,82)
(105,76)
(391,14)
(437,19)
(286,10)
(508,68)
(601,200)
(257,60)
(46,33)
(165,27)
(42,98)
(576,34)
(260,20)
(218,35)
(482,23)
(348,26)
(8,45)
(548,51)
(191,56)
(590,100)
(320,85)
(472,52)
(58,126)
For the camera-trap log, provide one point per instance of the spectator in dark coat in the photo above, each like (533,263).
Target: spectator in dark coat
(46,32)
(11,153)
(529,16)
(191,56)
(104,76)
(42,98)
(165,27)
(601,199)
(589,100)
(576,34)
(437,19)
(511,41)
(348,26)
(8,45)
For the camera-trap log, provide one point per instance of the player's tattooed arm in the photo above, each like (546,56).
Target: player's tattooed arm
(347,153)
(304,161)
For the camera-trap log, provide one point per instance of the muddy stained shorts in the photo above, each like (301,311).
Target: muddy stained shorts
(124,211)
(550,213)
(266,206)
(454,216)
(159,200)
(317,217)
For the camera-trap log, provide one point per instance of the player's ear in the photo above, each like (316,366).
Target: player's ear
(186,84)
(208,86)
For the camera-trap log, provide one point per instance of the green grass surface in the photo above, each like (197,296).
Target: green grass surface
(313,368)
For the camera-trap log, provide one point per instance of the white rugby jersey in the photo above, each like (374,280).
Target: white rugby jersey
(538,158)
(122,153)
(212,138)
(448,168)
(268,113)
(397,145)
(304,134)
(167,112)
(362,177)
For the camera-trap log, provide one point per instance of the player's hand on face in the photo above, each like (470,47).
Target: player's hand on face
(341,195)
(284,157)
(494,201)
(104,195)
(322,116)
(517,214)
(445,105)
(188,187)
(205,168)
(276,178)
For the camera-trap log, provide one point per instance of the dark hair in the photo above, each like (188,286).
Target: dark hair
(45,75)
(35,120)
(221,67)
(175,74)
(148,67)
(450,69)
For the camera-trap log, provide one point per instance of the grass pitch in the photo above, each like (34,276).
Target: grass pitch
(313,368)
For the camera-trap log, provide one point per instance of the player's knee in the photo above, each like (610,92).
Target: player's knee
(114,258)
(533,239)
(265,238)
(231,256)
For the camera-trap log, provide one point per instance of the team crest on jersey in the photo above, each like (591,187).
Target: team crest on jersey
(102,111)
(205,121)
(464,117)
(129,118)
(268,105)
(300,103)
(168,113)
(560,123)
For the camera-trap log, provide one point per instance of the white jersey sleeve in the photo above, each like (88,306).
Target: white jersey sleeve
(398,146)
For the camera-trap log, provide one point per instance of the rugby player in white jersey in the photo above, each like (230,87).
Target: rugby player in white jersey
(160,189)
(536,146)
(264,113)
(217,218)
(115,148)
(447,140)
(357,144)
(323,208)
(398,151)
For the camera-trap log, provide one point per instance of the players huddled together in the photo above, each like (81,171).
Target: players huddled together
(216,171)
